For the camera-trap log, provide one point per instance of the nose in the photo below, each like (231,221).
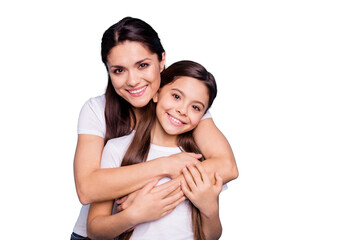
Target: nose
(132,79)
(181,109)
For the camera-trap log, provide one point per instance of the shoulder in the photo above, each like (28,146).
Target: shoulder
(92,118)
(98,101)
(121,142)
(115,150)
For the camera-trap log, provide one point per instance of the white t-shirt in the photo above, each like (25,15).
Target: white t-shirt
(92,121)
(176,225)
(92,117)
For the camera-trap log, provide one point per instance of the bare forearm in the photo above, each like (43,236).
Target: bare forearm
(109,227)
(211,225)
(226,168)
(107,184)
(216,150)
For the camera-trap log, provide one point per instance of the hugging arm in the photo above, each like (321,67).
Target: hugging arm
(146,206)
(94,184)
(216,150)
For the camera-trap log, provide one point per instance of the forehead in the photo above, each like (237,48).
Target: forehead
(129,52)
(193,89)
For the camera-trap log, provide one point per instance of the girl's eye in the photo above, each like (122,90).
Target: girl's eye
(118,70)
(176,96)
(196,108)
(143,65)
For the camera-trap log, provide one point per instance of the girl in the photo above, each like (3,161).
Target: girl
(134,58)
(187,92)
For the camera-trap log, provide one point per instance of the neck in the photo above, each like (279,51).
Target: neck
(138,113)
(161,138)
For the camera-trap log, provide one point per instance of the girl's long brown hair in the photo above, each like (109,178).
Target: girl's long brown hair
(140,145)
(118,112)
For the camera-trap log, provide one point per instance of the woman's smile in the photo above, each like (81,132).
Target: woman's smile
(137,92)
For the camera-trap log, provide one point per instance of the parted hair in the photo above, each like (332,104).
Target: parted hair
(118,112)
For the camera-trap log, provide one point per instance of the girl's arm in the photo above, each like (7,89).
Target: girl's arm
(94,184)
(146,207)
(204,195)
(216,150)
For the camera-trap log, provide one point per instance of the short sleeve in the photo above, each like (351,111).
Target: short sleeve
(206,115)
(110,158)
(92,118)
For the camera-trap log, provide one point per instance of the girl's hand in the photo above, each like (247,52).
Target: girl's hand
(148,206)
(126,201)
(199,189)
(176,162)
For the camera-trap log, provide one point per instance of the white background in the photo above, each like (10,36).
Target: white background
(288,102)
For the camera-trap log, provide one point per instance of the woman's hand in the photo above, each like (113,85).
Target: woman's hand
(148,206)
(198,188)
(176,162)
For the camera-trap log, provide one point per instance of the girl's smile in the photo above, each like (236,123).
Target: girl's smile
(180,107)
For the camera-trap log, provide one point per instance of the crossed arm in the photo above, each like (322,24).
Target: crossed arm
(147,205)
(94,184)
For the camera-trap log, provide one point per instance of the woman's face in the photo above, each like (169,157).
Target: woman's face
(134,72)
(181,105)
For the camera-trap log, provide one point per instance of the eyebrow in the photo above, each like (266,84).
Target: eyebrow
(138,62)
(182,93)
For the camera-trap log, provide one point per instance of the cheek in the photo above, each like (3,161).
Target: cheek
(117,82)
(195,120)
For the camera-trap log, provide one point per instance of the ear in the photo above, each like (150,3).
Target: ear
(156,97)
(162,62)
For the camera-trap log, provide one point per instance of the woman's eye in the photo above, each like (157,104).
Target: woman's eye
(143,65)
(176,96)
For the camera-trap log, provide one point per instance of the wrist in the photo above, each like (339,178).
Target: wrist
(163,167)
(210,212)
(132,217)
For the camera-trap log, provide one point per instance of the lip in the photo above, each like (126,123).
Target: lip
(175,121)
(137,92)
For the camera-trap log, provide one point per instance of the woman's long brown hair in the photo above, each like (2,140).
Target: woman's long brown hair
(140,145)
(119,115)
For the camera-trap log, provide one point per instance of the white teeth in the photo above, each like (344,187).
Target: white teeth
(175,120)
(137,91)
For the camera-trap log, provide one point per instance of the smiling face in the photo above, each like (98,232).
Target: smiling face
(134,72)
(180,106)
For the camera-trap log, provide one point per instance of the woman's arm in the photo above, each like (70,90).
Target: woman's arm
(94,184)
(216,150)
(145,207)
(205,196)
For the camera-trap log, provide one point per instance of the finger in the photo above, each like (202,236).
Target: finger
(189,179)
(164,186)
(172,199)
(195,174)
(119,208)
(186,190)
(148,187)
(166,212)
(203,173)
(174,204)
(195,155)
(165,192)
(121,200)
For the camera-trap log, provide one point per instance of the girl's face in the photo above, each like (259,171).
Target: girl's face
(181,105)
(134,72)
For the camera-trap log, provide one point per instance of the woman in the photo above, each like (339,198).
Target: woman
(134,58)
